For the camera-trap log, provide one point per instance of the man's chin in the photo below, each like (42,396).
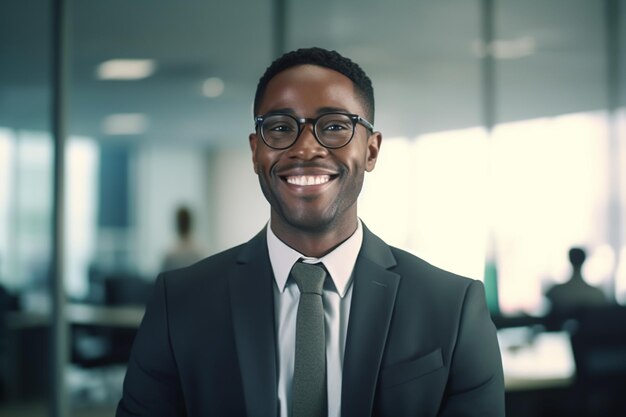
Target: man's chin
(310,224)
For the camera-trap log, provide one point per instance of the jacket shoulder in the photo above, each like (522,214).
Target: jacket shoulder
(211,270)
(413,267)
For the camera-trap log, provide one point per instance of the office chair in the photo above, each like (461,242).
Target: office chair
(599,346)
(103,349)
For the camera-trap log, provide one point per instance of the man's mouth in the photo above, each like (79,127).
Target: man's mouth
(305,180)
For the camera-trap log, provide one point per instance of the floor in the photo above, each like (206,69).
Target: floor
(92,393)
(41,410)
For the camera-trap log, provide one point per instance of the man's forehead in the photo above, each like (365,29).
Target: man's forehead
(325,84)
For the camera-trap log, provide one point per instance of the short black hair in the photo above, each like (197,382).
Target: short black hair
(183,221)
(323,58)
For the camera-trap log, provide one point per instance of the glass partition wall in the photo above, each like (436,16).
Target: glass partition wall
(145,120)
(26,208)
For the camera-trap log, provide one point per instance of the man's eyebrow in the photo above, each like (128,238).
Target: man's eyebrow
(321,110)
(332,110)
(284,110)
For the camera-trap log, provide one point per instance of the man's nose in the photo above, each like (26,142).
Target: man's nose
(307,147)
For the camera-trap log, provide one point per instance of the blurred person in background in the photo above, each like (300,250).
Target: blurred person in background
(185,250)
(576,293)
(316,315)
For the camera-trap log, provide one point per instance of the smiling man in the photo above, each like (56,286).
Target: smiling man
(315,316)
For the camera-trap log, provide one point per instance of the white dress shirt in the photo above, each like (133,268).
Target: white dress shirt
(337,296)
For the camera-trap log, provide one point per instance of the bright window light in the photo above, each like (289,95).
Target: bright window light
(620,277)
(81,179)
(386,202)
(31,211)
(537,187)
(549,195)
(7,146)
(450,177)
(428,196)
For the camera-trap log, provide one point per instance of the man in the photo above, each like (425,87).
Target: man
(399,337)
(185,251)
(576,293)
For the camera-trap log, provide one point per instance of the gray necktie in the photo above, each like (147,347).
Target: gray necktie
(309,375)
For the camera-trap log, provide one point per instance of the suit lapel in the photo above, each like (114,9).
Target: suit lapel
(373,299)
(253,320)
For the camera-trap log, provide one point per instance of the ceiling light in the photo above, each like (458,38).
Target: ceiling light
(125,69)
(514,48)
(213,87)
(506,48)
(125,124)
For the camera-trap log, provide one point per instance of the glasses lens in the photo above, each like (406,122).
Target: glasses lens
(279,131)
(334,130)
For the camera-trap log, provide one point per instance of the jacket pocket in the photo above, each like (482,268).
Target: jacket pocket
(406,371)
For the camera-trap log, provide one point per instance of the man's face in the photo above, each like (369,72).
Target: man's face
(309,187)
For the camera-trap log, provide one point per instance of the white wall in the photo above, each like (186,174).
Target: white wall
(167,177)
(219,186)
(239,207)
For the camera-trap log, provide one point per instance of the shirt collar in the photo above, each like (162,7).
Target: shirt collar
(339,263)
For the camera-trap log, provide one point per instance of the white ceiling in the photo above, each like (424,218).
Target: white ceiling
(420,54)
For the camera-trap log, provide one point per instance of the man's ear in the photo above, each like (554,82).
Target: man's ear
(253,139)
(373,147)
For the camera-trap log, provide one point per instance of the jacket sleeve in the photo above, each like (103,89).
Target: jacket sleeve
(476,382)
(152,385)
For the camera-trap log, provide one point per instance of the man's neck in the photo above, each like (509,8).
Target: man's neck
(314,244)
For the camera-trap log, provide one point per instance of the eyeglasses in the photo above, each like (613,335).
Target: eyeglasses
(332,130)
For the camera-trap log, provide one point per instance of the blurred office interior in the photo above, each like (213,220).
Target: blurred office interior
(504,127)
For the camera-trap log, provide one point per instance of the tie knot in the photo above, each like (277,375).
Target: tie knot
(309,277)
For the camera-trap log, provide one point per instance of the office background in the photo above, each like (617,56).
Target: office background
(504,145)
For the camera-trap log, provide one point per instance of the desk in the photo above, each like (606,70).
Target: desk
(105,316)
(28,342)
(536,360)
(531,360)
(83,314)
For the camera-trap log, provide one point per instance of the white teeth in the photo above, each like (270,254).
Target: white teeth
(308,179)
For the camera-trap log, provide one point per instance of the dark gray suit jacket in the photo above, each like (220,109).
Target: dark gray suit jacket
(420,341)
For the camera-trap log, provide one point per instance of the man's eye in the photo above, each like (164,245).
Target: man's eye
(280,128)
(336,127)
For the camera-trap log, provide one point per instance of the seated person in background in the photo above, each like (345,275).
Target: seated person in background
(185,251)
(575,293)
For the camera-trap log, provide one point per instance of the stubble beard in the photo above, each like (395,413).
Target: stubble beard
(307,221)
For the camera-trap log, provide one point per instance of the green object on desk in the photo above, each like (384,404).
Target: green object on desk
(491,287)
